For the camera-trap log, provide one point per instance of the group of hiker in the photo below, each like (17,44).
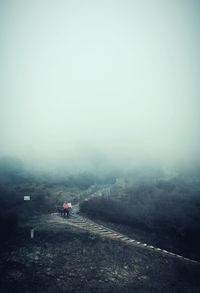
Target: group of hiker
(67,207)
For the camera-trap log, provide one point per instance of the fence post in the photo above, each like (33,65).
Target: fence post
(32,233)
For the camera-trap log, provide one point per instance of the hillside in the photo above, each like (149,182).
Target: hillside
(132,233)
(65,258)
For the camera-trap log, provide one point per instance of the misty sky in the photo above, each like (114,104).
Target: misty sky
(119,79)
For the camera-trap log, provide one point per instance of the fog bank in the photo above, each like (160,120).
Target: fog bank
(86,82)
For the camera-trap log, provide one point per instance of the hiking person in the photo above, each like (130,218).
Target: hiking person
(70,208)
(66,209)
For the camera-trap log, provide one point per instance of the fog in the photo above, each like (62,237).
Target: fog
(87,82)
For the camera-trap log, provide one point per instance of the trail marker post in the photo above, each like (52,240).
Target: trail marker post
(32,233)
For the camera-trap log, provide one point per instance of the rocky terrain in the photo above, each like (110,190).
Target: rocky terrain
(67,257)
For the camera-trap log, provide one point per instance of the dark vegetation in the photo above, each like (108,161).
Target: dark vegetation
(16,182)
(166,212)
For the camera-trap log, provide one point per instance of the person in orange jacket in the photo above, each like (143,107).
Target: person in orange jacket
(66,209)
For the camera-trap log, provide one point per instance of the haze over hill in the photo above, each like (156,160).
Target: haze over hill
(87,82)
(99,108)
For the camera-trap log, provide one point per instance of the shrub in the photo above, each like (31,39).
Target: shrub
(160,209)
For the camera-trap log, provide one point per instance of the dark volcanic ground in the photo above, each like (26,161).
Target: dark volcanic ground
(64,259)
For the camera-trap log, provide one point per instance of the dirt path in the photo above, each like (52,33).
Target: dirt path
(93,228)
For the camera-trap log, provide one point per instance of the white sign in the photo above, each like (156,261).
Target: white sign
(27,197)
(69,204)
